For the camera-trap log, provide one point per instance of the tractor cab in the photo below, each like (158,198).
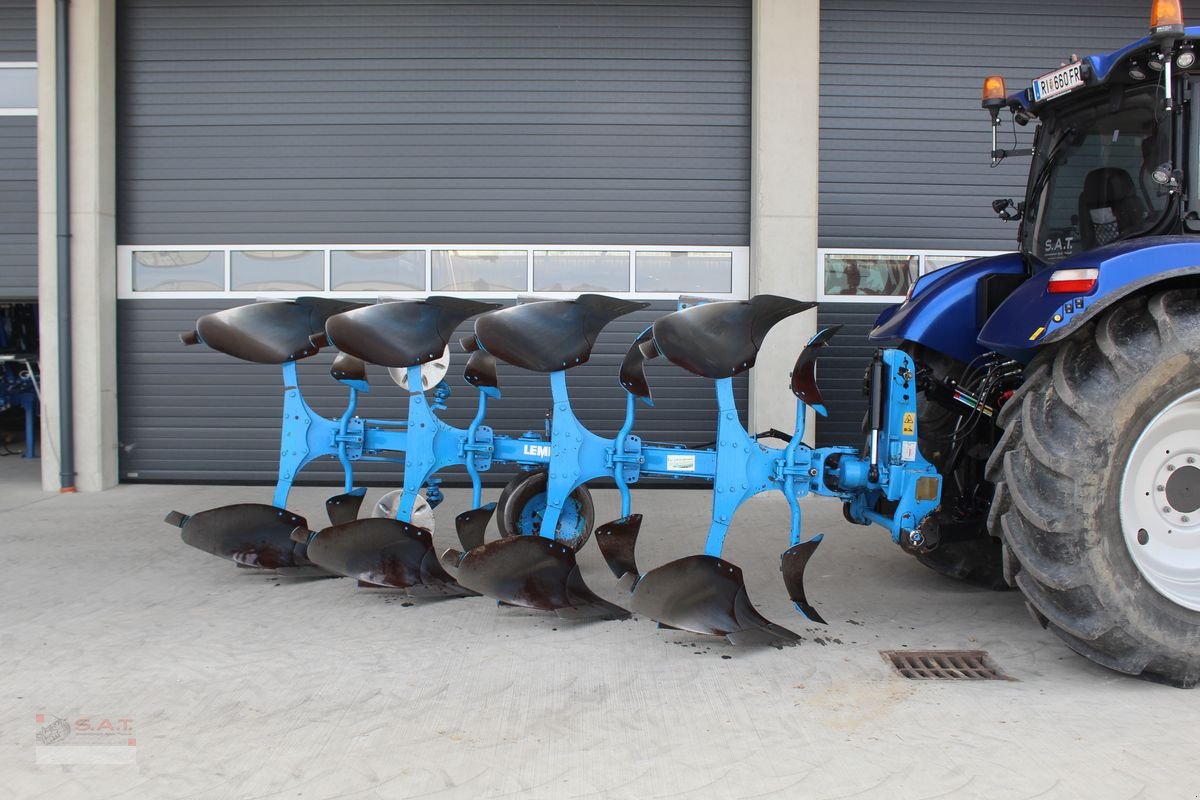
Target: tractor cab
(1109,153)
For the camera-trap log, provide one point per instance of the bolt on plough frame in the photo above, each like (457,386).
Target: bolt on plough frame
(886,481)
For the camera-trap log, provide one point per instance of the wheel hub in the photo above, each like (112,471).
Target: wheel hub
(1160,498)
(1183,490)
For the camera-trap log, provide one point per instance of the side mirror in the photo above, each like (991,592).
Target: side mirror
(1006,210)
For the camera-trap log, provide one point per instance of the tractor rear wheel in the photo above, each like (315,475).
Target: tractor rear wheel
(1098,488)
(978,559)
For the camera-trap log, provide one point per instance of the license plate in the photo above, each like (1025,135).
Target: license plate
(1058,82)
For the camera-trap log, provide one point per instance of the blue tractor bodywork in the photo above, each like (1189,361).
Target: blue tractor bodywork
(1032,316)
(943,312)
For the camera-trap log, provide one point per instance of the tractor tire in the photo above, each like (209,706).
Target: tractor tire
(979,560)
(1097,484)
(523,501)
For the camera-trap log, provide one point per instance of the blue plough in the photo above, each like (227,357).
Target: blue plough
(886,482)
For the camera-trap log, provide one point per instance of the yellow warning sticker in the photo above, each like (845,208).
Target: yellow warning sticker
(910,423)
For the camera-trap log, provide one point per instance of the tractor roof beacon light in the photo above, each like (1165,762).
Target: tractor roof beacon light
(994,95)
(994,98)
(1166,19)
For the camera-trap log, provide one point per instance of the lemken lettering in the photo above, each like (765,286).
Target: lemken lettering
(537,450)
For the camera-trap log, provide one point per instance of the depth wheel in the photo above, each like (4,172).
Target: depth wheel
(1098,488)
(422,513)
(522,505)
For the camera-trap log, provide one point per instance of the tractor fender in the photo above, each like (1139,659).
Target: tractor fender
(1032,317)
(942,312)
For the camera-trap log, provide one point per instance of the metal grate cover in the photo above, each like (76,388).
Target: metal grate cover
(944,665)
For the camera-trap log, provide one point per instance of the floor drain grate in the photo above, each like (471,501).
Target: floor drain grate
(944,665)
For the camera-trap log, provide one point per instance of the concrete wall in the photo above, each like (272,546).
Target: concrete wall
(93,242)
(783,190)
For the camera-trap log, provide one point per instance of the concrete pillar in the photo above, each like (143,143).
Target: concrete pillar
(783,191)
(93,241)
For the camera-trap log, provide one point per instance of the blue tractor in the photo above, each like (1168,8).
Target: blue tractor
(1060,384)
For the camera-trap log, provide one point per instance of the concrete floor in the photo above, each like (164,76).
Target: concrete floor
(234,684)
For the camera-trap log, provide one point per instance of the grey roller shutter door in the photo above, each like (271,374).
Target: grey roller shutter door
(450,122)
(18,164)
(904,141)
(18,36)
(841,371)
(475,122)
(18,208)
